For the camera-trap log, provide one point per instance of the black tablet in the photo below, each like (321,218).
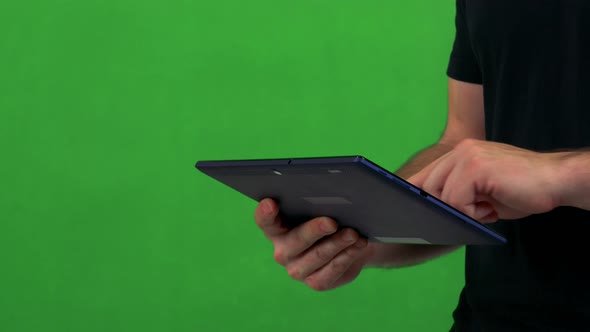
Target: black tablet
(356,193)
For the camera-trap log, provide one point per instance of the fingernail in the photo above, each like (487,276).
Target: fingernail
(328,227)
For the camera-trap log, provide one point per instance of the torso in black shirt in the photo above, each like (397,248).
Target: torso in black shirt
(533,59)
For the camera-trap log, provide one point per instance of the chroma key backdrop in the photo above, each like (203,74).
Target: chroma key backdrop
(105,106)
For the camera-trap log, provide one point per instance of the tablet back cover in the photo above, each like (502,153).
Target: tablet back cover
(354,192)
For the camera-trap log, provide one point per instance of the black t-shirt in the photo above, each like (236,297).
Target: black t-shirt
(533,59)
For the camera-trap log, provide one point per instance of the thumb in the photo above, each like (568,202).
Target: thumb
(268,219)
(483,211)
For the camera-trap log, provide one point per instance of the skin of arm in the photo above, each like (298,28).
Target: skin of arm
(465,121)
(573,179)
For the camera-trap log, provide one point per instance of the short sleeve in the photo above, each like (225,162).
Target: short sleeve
(463,64)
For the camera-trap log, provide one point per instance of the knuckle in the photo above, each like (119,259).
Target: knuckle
(341,263)
(294,272)
(299,240)
(322,254)
(467,143)
(471,147)
(429,187)
(476,162)
(451,200)
(316,284)
(280,256)
(305,237)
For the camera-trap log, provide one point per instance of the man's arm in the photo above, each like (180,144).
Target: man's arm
(465,120)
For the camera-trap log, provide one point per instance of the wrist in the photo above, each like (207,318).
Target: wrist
(571,174)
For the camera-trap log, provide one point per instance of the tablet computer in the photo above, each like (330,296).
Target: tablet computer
(356,193)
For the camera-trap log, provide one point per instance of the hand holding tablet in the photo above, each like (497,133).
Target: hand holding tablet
(315,252)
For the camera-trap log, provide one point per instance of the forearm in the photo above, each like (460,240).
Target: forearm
(399,255)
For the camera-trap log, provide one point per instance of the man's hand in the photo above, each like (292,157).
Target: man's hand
(490,181)
(314,252)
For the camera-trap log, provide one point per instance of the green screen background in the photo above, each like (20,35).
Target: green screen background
(105,106)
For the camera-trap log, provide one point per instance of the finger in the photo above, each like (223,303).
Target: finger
(482,210)
(460,191)
(353,271)
(436,181)
(465,191)
(302,237)
(498,210)
(321,254)
(419,178)
(267,218)
(327,277)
